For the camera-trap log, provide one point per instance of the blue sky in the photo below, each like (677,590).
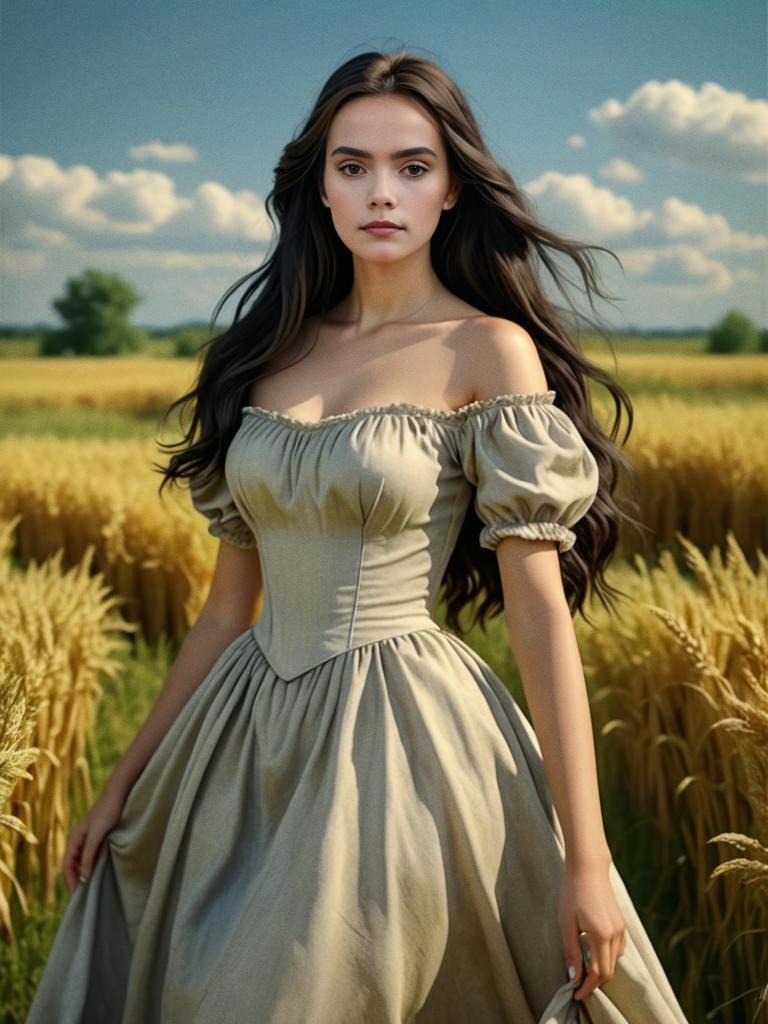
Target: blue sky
(141,138)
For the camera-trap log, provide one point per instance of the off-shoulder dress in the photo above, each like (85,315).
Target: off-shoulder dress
(349,821)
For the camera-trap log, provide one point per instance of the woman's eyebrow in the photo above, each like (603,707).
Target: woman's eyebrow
(413,151)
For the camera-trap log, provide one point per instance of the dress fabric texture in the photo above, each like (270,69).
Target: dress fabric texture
(349,820)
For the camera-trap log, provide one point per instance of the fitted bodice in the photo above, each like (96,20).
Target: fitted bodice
(356,516)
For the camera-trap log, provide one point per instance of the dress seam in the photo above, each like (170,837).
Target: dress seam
(364,520)
(353,615)
(433,627)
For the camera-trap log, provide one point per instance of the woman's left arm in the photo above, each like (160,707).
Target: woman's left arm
(502,358)
(543,641)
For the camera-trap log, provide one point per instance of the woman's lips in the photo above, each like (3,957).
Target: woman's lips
(382,231)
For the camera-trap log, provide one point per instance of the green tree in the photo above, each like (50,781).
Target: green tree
(95,309)
(734,333)
(189,340)
(763,346)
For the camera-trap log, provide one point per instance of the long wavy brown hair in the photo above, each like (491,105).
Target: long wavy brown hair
(487,250)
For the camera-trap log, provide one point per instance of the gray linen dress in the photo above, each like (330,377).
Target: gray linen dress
(349,821)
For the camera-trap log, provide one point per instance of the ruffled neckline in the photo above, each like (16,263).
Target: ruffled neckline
(404,409)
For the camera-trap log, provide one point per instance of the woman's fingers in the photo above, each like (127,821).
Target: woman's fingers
(72,854)
(572,949)
(89,857)
(618,949)
(599,965)
(605,951)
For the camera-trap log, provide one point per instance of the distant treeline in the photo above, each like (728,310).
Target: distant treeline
(26,331)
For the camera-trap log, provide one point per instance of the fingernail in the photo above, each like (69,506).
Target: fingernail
(571,971)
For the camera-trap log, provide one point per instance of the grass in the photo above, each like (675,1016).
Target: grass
(75,423)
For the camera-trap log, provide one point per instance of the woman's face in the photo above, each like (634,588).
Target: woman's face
(364,179)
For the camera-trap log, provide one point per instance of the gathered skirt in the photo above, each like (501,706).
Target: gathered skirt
(371,841)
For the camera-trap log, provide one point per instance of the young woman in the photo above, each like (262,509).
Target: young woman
(339,814)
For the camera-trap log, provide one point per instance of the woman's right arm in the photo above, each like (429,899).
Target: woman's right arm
(228,611)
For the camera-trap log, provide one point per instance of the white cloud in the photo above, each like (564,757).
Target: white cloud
(217,212)
(6,167)
(682,270)
(711,231)
(711,128)
(577,141)
(42,237)
(578,206)
(124,204)
(135,203)
(22,261)
(621,170)
(178,152)
(175,259)
(745,274)
(675,263)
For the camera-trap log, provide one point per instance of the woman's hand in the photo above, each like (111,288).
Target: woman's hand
(85,840)
(588,904)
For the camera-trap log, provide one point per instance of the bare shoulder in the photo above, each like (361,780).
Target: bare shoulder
(500,358)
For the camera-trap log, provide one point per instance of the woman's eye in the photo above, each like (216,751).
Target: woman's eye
(419,167)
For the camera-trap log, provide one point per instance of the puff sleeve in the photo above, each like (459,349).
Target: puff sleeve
(534,475)
(212,497)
